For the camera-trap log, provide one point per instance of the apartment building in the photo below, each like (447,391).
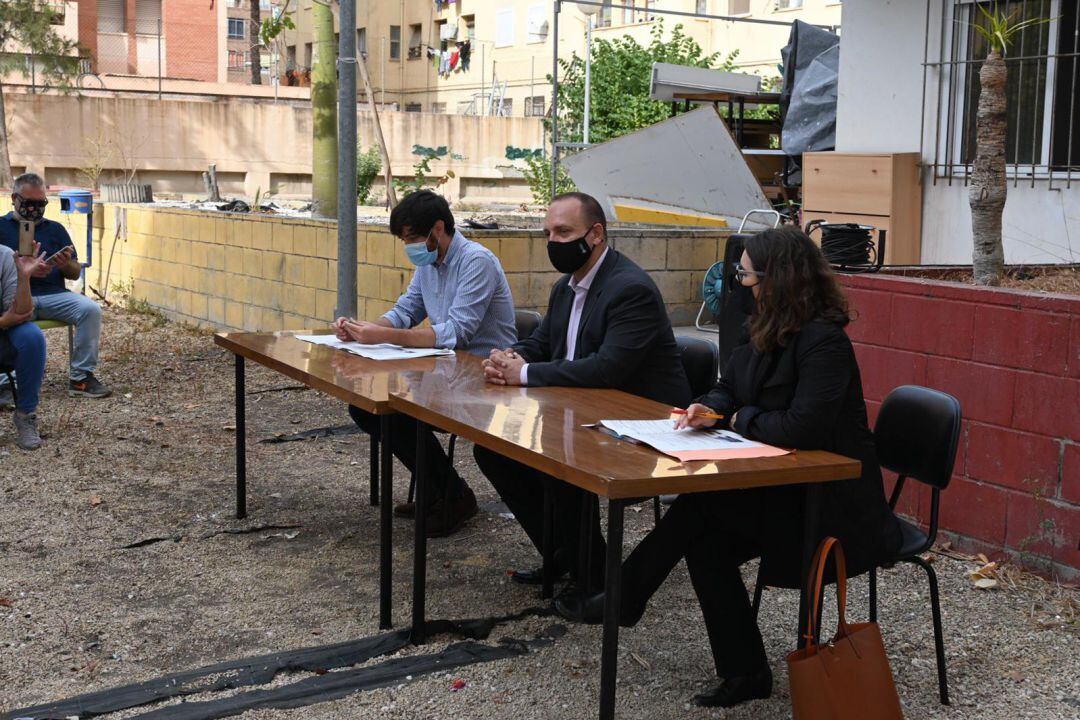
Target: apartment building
(493,56)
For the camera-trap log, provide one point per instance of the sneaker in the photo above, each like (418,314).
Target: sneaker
(26,430)
(7,399)
(89,387)
(446,517)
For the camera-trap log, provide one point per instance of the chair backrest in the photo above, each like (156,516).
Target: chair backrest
(916,434)
(526,322)
(701,361)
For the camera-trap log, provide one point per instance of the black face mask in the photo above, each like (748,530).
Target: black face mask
(744,299)
(568,257)
(31,210)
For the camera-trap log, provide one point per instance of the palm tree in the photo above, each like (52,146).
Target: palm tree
(987,192)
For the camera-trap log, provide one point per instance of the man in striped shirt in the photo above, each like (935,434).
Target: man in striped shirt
(459,286)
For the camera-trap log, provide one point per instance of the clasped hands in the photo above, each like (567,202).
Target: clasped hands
(503,367)
(361,331)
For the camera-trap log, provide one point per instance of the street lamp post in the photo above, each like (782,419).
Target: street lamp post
(589,11)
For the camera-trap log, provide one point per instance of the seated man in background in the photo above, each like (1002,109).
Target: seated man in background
(22,344)
(460,287)
(52,299)
(606,327)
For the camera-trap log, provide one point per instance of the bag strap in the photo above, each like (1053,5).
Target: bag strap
(828,546)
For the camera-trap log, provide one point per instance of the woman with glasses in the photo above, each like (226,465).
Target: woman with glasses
(795,385)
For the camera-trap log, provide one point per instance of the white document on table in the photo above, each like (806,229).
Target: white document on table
(688,444)
(381,351)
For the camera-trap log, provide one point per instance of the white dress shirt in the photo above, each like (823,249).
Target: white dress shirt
(581,291)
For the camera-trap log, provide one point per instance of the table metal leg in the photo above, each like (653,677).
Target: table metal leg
(549,542)
(609,653)
(373,461)
(241,441)
(420,539)
(386,520)
(810,543)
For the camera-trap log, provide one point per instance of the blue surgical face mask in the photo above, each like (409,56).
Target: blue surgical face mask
(419,254)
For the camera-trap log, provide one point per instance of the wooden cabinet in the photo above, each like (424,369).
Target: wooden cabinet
(879,189)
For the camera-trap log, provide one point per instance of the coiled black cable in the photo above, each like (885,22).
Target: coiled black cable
(848,244)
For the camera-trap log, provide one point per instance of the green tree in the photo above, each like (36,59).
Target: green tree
(368,165)
(27,29)
(324,164)
(621,70)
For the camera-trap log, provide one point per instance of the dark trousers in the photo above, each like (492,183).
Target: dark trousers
(522,489)
(716,533)
(441,475)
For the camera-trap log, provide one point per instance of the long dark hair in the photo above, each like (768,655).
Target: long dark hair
(797,287)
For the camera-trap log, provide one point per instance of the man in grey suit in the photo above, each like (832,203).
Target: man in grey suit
(606,327)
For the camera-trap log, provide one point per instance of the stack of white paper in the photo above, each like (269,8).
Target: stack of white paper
(688,444)
(382,351)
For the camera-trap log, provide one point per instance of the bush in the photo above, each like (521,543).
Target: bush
(368,166)
(537,173)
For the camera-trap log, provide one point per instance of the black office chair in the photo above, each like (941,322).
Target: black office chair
(701,363)
(525,324)
(916,435)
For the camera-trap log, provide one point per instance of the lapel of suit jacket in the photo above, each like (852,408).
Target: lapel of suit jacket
(592,299)
(560,321)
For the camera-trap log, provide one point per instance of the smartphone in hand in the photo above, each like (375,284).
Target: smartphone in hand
(26,238)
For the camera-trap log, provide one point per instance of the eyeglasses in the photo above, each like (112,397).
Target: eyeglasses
(742,273)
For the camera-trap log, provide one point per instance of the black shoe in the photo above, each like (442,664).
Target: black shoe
(736,690)
(89,387)
(535,576)
(405,510)
(576,606)
(447,516)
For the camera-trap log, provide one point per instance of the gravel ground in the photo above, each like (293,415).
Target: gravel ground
(78,613)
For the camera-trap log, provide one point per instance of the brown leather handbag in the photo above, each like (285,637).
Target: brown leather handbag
(847,678)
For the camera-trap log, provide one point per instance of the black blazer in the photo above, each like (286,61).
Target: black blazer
(624,338)
(808,396)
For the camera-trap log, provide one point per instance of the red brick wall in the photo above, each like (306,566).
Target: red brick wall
(1013,360)
(191,32)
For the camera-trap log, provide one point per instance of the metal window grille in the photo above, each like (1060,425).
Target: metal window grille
(1042,135)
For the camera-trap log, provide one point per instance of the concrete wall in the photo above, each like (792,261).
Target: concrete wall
(256,145)
(879,110)
(1012,359)
(265,273)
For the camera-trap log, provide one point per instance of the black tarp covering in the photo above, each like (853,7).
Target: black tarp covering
(808,98)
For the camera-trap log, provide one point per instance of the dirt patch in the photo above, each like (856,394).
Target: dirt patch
(1056,279)
(80,613)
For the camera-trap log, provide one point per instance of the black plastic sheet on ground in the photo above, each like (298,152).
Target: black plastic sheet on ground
(261,669)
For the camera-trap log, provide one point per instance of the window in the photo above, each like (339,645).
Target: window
(57,12)
(412,107)
(534,106)
(470,26)
(438,107)
(416,41)
(361,42)
(604,20)
(290,57)
(506,109)
(537,24)
(395,42)
(236,59)
(788,4)
(504,27)
(308,55)
(701,7)
(738,7)
(236,28)
(111,16)
(147,17)
(1042,134)
(438,30)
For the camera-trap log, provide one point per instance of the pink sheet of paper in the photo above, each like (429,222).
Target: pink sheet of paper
(740,453)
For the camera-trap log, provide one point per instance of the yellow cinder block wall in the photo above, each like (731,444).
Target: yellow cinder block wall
(266,273)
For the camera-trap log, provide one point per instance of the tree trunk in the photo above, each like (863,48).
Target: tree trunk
(254,38)
(987,191)
(6,179)
(324,165)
